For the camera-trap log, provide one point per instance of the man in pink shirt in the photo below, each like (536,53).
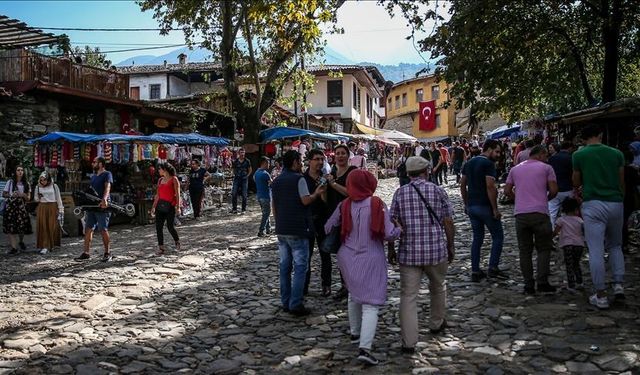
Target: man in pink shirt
(535,183)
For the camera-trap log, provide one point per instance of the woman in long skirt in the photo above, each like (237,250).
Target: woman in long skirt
(365,225)
(16,222)
(50,208)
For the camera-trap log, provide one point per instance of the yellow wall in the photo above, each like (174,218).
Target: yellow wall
(447,116)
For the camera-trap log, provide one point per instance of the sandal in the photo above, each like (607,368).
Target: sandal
(160,250)
(177,246)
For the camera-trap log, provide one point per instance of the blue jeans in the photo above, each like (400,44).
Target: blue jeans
(481,216)
(265,206)
(294,255)
(239,183)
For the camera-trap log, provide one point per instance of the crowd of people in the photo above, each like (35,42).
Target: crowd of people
(574,194)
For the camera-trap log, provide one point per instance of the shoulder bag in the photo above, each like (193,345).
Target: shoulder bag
(432,214)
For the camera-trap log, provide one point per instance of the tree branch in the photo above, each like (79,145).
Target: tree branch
(577,57)
(252,59)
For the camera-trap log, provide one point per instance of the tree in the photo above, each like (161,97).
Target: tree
(255,42)
(527,58)
(92,57)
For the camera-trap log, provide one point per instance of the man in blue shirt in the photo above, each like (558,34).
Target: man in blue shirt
(480,197)
(263,181)
(563,168)
(101,182)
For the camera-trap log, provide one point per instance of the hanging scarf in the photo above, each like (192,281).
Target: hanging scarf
(361,184)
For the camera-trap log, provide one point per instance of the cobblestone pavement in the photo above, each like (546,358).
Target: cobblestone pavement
(213,308)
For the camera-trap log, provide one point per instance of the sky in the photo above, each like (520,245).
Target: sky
(370,33)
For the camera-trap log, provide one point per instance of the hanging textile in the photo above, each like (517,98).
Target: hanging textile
(107,152)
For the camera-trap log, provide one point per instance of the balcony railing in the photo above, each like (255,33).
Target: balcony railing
(23,65)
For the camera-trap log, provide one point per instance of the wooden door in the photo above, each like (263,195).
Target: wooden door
(134,93)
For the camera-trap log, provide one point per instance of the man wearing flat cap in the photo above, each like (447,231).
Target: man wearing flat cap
(426,247)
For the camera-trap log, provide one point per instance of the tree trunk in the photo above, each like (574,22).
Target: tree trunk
(250,122)
(611,41)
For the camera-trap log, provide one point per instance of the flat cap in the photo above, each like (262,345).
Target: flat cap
(417,163)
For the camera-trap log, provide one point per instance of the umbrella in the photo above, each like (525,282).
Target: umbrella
(399,137)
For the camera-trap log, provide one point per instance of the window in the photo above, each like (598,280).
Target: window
(154,91)
(369,106)
(419,95)
(435,92)
(334,93)
(404,100)
(438,121)
(355,96)
(397,101)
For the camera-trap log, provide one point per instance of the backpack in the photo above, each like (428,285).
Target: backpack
(402,169)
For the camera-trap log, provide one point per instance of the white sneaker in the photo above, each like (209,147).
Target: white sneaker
(44,251)
(599,302)
(618,291)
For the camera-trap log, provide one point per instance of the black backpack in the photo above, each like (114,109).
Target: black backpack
(402,169)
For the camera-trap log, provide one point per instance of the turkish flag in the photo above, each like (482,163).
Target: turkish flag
(427,113)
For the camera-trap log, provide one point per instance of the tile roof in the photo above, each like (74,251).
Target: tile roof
(189,67)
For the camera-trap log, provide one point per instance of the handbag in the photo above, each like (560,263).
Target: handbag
(432,214)
(164,207)
(331,243)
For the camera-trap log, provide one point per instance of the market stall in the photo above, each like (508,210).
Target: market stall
(132,159)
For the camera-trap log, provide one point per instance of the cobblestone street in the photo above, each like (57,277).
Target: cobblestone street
(214,308)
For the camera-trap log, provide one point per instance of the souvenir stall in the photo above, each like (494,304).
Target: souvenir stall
(278,140)
(379,150)
(132,159)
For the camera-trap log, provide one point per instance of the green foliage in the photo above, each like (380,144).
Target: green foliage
(525,58)
(255,41)
(92,57)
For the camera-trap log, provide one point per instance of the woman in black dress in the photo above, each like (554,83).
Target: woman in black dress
(337,190)
(16,222)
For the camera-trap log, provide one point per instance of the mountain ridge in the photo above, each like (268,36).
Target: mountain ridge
(393,73)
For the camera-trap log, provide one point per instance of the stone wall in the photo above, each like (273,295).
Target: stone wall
(111,121)
(23,118)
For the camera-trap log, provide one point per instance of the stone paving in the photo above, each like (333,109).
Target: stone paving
(214,309)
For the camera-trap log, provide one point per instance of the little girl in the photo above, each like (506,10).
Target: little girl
(571,230)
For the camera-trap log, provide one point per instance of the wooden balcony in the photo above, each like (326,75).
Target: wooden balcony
(23,66)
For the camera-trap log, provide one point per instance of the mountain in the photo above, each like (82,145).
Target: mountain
(394,73)
(402,71)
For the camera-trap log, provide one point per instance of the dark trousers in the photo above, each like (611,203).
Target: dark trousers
(169,218)
(196,200)
(325,258)
(534,230)
(239,184)
(572,256)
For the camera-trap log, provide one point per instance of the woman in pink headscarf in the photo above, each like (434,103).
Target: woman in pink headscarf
(365,224)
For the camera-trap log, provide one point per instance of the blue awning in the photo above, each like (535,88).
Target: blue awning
(188,139)
(61,136)
(282,132)
(503,131)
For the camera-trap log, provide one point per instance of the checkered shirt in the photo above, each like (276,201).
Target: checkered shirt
(423,241)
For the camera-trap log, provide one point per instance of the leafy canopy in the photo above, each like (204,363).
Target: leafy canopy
(525,58)
(255,42)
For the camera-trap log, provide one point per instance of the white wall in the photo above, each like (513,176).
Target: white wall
(318,98)
(178,87)
(145,80)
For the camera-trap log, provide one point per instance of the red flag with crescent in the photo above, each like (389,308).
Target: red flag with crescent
(427,113)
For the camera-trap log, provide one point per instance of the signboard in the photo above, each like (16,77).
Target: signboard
(427,113)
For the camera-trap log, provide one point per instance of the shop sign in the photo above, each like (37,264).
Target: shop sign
(161,123)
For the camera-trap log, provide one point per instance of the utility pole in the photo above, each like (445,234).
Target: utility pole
(305,115)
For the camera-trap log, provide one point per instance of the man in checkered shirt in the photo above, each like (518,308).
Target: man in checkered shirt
(426,247)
